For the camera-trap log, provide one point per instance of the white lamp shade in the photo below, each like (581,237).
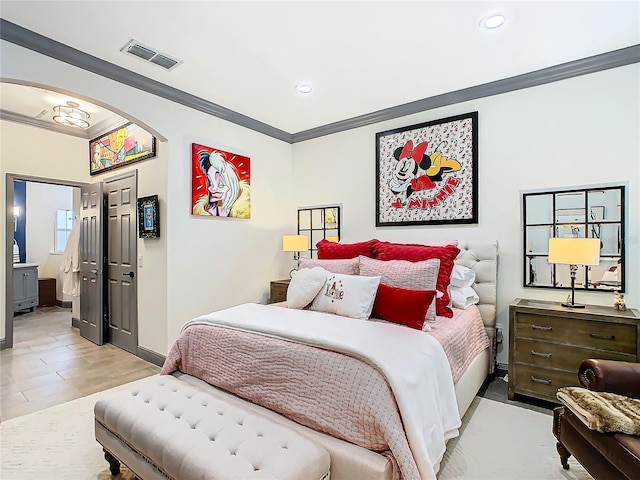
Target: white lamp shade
(294,243)
(574,251)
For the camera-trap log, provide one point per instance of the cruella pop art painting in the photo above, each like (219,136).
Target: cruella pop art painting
(220,183)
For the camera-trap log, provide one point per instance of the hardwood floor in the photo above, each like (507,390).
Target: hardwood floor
(50,363)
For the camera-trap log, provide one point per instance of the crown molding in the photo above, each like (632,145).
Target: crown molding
(18,35)
(35,122)
(605,61)
(23,37)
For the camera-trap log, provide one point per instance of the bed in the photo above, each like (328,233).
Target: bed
(362,389)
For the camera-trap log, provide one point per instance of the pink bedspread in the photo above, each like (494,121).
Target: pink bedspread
(463,337)
(324,390)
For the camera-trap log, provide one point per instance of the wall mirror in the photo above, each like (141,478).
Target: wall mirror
(318,223)
(594,212)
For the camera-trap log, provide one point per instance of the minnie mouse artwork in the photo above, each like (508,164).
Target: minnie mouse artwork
(427,173)
(416,171)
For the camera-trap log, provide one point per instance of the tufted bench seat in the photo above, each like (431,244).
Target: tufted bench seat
(163,428)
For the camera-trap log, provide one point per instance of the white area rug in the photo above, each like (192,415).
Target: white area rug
(498,441)
(501,441)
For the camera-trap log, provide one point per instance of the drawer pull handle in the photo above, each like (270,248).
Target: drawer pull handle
(603,337)
(539,354)
(540,380)
(538,327)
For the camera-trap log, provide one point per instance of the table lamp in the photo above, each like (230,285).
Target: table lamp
(574,252)
(295,244)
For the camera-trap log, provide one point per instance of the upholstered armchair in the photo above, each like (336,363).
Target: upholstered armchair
(606,456)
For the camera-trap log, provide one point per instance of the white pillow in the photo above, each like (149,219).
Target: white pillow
(463,297)
(304,286)
(462,276)
(347,295)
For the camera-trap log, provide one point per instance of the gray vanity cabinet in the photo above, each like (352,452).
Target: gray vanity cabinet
(25,286)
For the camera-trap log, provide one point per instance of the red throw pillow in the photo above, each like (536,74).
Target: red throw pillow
(416,253)
(334,250)
(398,305)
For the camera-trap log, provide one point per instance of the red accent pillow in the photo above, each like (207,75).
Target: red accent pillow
(416,253)
(334,250)
(398,305)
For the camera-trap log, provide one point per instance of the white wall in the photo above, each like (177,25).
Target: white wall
(199,264)
(575,132)
(43,202)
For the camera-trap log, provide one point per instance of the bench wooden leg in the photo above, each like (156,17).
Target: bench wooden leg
(564,455)
(114,463)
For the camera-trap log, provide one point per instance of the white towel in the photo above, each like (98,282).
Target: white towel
(70,266)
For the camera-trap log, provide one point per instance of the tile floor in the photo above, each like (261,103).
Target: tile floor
(50,363)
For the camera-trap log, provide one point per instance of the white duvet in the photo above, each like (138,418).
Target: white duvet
(413,362)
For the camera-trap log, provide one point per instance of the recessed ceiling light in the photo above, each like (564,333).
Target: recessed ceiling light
(492,21)
(304,88)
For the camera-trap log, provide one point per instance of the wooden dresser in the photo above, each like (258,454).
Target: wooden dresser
(547,342)
(278,291)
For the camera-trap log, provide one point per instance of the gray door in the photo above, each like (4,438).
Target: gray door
(92,263)
(121,197)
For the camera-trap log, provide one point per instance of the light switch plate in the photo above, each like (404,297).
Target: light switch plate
(140,262)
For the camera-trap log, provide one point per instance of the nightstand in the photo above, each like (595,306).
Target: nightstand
(278,292)
(547,342)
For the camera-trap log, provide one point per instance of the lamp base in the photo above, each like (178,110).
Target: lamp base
(573,305)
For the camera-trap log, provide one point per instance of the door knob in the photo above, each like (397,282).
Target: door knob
(128,274)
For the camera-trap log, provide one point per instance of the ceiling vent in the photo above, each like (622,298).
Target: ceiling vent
(150,55)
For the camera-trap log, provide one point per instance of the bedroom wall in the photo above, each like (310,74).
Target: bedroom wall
(579,131)
(199,264)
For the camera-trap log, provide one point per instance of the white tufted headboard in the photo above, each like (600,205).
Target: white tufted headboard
(482,258)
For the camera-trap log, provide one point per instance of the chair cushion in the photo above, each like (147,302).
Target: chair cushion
(621,450)
(189,434)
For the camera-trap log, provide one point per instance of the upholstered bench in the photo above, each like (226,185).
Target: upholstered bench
(163,428)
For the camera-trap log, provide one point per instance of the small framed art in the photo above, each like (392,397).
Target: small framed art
(149,217)
(427,174)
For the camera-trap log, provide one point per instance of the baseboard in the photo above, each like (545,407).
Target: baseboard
(62,304)
(75,322)
(501,369)
(150,356)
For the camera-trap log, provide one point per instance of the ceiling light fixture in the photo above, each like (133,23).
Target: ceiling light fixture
(304,88)
(493,21)
(71,115)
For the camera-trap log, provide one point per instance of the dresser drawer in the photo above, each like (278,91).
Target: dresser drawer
(614,337)
(278,292)
(279,295)
(543,381)
(547,354)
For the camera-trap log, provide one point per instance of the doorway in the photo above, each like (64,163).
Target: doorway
(118,322)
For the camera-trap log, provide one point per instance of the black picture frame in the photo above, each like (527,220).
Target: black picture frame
(427,174)
(149,217)
(120,147)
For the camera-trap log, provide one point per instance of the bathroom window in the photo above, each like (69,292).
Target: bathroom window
(64,224)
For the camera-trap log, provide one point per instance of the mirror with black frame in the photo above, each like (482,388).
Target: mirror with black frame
(594,212)
(318,223)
